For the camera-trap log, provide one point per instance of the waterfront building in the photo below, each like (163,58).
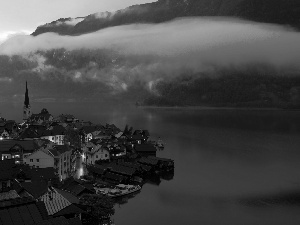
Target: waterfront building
(93,151)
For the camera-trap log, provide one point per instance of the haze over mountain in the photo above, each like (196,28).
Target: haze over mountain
(183,61)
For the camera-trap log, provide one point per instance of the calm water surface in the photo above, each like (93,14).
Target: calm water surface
(231,166)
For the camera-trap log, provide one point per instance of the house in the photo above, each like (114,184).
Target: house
(144,133)
(164,164)
(58,157)
(55,134)
(153,162)
(88,133)
(33,182)
(10,126)
(17,149)
(95,150)
(4,133)
(43,116)
(66,118)
(31,132)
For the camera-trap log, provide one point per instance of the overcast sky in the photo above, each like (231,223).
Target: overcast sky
(25,15)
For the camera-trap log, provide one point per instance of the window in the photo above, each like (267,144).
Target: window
(31,160)
(96,156)
(106,155)
(37,160)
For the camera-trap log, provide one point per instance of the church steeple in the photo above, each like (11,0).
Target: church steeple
(26,102)
(26,108)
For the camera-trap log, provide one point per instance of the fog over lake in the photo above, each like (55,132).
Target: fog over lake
(231,166)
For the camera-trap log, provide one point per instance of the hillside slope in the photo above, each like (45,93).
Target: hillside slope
(268,11)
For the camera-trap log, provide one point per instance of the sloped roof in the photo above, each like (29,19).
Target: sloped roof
(8,195)
(36,189)
(113,176)
(148,161)
(71,209)
(122,169)
(145,148)
(21,214)
(16,201)
(71,198)
(5,145)
(89,129)
(58,130)
(54,152)
(58,202)
(60,221)
(31,133)
(42,116)
(76,189)
(54,201)
(160,159)
(97,170)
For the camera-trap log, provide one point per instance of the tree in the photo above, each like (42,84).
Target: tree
(72,137)
(100,206)
(126,129)
(44,111)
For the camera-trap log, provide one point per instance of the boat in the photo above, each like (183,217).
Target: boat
(122,189)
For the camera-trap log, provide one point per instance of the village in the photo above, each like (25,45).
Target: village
(60,169)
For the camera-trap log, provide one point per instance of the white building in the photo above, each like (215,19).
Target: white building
(93,152)
(55,134)
(55,156)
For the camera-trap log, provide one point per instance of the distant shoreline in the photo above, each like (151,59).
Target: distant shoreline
(217,108)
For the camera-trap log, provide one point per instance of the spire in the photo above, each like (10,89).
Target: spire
(26,102)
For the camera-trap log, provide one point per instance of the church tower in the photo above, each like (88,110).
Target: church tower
(26,108)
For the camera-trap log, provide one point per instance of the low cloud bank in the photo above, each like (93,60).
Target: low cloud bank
(154,52)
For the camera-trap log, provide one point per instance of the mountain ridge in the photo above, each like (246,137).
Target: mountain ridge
(266,11)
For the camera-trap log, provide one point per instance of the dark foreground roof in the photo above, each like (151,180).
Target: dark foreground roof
(60,221)
(22,214)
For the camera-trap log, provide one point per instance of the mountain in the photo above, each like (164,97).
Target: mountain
(227,63)
(285,12)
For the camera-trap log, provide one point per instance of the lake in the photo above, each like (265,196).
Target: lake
(231,166)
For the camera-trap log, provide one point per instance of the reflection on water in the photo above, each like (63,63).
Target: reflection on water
(228,163)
